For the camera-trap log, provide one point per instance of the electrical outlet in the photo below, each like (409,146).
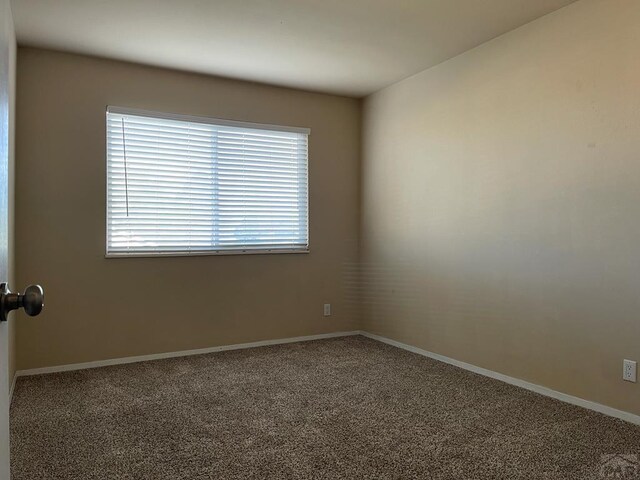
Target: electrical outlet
(629,371)
(327,309)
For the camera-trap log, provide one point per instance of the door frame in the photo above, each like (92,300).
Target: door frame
(7,115)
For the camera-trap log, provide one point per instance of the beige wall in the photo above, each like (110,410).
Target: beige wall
(501,204)
(98,308)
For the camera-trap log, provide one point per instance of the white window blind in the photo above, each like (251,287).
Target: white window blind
(191,185)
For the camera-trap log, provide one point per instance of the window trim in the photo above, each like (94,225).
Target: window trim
(210,253)
(210,121)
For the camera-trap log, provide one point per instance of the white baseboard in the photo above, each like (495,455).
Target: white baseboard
(580,402)
(182,353)
(629,417)
(13,386)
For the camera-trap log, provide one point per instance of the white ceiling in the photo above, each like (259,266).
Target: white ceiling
(349,47)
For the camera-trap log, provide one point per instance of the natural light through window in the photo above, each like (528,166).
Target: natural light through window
(179,185)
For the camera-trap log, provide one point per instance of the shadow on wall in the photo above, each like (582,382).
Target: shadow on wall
(375,291)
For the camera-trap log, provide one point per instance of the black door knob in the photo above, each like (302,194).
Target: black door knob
(32,300)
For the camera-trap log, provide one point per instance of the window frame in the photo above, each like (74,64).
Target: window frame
(210,121)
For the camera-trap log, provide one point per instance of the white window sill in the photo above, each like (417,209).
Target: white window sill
(206,254)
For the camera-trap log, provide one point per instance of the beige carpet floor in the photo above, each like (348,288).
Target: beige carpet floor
(331,409)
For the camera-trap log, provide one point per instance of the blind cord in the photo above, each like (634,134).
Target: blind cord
(126,180)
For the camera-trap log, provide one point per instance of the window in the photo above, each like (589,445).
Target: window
(180,185)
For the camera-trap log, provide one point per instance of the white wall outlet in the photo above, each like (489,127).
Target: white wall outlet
(327,309)
(629,371)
